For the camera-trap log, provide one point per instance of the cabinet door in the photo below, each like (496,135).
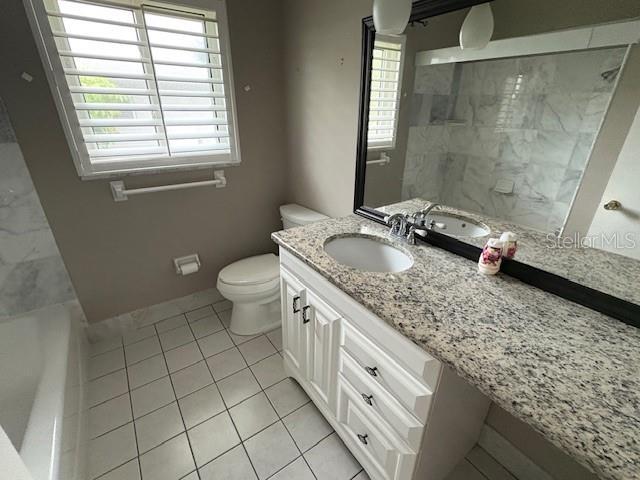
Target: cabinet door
(322,341)
(293,298)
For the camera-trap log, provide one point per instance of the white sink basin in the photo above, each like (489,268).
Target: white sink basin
(368,254)
(457,226)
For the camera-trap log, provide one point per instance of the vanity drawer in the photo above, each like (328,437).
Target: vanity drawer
(384,453)
(375,398)
(386,372)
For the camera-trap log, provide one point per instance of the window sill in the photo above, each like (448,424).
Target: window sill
(137,171)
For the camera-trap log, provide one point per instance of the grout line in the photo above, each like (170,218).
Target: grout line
(184,424)
(135,431)
(224,402)
(361,470)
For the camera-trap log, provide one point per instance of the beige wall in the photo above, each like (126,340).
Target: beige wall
(548,457)
(119,254)
(322,80)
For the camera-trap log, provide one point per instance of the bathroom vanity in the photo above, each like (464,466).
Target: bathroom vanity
(405,364)
(385,396)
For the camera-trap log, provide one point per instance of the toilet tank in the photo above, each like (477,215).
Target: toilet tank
(294,215)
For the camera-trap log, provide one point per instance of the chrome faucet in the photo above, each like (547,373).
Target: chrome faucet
(421,216)
(404,225)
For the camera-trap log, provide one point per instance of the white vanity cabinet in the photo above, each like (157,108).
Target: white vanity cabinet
(401,412)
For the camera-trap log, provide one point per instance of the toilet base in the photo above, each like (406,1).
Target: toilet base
(253,318)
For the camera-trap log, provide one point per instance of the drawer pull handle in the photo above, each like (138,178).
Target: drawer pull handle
(363,439)
(296,304)
(305,318)
(368,399)
(373,371)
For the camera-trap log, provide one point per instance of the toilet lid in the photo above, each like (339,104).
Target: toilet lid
(251,271)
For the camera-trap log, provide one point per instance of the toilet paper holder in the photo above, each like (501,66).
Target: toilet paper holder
(185,265)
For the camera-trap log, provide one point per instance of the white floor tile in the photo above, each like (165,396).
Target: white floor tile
(147,371)
(226,363)
(141,350)
(363,476)
(215,343)
(111,450)
(286,396)
(170,461)
(222,306)
(275,337)
(176,337)
(128,471)
(194,315)
(206,326)
(106,363)
(225,318)
(269,371)
(152,396)
(107,387)
(139,334)
(201,405)
(171,323)
(109,415)
(190,379)
(212,438)
(233,465)
(183,356)
(105,346)
(253,415)
(307,426)
(238,387)
(255,350)
(158,427)
(270,450)
(298,470)
(330,460)
(240,339)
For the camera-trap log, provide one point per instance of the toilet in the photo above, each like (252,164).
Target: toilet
(253,284)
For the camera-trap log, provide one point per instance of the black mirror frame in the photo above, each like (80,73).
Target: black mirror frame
(622,310)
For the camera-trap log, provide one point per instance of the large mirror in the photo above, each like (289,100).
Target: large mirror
(537,133)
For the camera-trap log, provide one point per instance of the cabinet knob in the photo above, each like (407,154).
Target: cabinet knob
(363,438)
(368,399)
(296,304)
(612,205)
(373,371)
(305,317)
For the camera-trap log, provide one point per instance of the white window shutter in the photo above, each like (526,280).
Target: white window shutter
(142,85)
(386,83)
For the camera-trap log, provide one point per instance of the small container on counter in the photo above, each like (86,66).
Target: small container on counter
(509,244)
(491,257)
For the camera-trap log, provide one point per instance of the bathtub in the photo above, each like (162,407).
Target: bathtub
(42,392)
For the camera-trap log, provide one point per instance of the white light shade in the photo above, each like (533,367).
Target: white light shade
(390,17)
(477,27)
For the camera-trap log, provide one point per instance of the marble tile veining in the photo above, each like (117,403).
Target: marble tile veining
(537,116)
(571,373)
(32,273)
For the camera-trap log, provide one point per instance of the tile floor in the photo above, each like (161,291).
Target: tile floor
(187,399)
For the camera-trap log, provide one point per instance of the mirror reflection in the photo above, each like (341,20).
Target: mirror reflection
(532,131)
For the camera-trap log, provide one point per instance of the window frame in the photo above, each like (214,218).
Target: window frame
(37,13)
(402,41)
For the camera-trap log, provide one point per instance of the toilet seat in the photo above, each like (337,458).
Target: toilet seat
(257,274)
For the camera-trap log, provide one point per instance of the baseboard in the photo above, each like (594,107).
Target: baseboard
(508,455)
(120,324)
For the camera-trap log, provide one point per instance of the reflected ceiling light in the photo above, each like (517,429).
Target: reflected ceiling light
(477,27)
(390,17)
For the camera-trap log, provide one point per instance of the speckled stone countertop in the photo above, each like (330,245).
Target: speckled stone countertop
(573,374)
(601,270)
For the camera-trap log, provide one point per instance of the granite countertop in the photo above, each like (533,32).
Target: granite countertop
(601,270)
(572,373)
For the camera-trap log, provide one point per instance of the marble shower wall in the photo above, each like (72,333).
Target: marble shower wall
(32,273)
(528,120)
